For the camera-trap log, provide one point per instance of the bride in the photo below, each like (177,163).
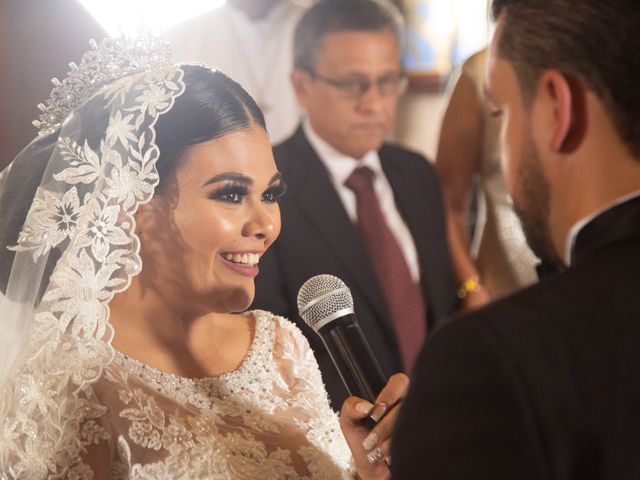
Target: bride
(131,231)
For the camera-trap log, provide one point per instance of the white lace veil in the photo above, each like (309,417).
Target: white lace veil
(70,405)
(67,244)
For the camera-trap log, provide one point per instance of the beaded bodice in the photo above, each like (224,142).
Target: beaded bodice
(268,419)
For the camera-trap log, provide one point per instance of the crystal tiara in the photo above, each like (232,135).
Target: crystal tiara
(110,60)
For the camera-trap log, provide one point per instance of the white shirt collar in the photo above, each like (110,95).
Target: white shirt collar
(340,165)
(579,225)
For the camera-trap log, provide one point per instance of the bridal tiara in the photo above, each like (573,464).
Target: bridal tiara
(112,59)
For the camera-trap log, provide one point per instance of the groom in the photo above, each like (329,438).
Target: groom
(545,384)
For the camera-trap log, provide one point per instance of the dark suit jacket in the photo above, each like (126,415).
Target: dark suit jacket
(318,237)
(544,384)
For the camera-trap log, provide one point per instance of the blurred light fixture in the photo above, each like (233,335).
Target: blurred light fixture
(440,34)
(128,16)
(472,27)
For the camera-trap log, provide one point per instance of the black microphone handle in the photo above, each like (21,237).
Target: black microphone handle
(353,357)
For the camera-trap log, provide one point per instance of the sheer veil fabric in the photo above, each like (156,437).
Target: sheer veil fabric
(67,245)
(76,248)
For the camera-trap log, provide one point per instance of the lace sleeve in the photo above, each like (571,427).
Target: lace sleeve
(299,370)
(299,367)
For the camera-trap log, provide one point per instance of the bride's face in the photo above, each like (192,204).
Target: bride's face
(202,236)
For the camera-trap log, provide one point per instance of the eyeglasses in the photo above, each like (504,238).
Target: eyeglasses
(356,87)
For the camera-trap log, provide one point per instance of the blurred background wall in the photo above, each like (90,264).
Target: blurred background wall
(38,39)
(440,35)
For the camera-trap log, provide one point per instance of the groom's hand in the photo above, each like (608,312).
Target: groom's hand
(371,449)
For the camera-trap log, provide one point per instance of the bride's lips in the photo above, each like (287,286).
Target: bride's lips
(248,270)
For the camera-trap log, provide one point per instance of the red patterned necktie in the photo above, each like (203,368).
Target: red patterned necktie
(402,296)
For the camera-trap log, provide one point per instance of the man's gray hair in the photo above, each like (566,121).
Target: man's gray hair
(329,16)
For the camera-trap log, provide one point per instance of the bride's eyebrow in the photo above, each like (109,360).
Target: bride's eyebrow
(276,178)
(229,176)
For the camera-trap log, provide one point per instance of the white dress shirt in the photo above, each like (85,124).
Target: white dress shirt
(255,53)
(340,166)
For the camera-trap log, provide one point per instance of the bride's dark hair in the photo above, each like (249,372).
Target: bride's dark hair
(212,105)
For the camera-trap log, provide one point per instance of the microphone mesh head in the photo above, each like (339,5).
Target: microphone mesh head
(322,296)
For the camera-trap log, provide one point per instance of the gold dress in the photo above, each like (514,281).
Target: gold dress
(502,255)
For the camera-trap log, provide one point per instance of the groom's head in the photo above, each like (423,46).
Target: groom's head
(564,75)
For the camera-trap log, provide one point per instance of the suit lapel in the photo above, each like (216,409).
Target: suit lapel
(316,195)
(619,223)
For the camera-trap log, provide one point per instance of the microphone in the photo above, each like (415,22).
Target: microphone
(326,305)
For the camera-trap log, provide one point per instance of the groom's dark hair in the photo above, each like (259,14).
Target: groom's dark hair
(595,41)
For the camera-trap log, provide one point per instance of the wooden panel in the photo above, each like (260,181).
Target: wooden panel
(38,39)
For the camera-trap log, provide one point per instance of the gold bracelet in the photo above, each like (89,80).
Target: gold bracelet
(470,285)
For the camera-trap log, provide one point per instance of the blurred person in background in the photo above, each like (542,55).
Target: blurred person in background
(250,40)
(358,207)
(497,260)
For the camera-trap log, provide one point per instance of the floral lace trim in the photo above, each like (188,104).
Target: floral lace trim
(226,439)
(84,208)
(250,378)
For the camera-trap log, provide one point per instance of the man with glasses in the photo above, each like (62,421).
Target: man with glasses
(358,208)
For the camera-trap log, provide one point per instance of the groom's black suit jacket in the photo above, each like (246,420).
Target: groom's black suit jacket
(318,237)
(544,384)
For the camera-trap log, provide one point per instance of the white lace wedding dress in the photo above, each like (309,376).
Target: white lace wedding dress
(268,419)
(70,406)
